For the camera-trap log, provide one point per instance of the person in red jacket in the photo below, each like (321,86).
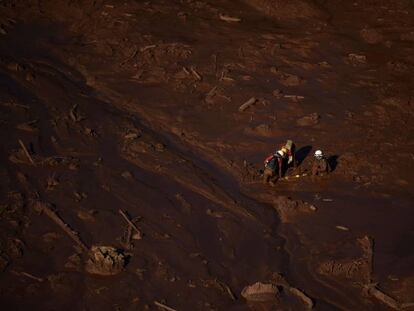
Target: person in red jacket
(272,164)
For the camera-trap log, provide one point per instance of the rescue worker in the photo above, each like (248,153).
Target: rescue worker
(289,149)
(272,163)
(320,165)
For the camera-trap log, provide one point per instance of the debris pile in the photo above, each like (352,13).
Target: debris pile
(105,260)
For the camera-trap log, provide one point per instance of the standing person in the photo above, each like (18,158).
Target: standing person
(289,149)
(320,165)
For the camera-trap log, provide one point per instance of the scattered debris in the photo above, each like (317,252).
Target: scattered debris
(46,208)
(51,183)
(229,19)
(74,115)
(277,93)
(309,120)
(381,296)
(260,292)
(196,74)
(371,36)
(357,58)
(247,104)
(148,47)
(86,215)
(105,260)
(30,276)
(26,152)
(289,210)
(302,296)
(294,98)
(139,234)
(163,306)
(28,126)
(127,175)
(342,228)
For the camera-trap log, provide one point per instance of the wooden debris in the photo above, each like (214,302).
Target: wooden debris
(30,276)
(302,296)
(139,234)
(27,126)
(74,115)
(133,54)
(47,210)
(26,152)
(163,306)
(260,292)
(383,297)
(343,228)
(228,290)
(247,104)
(196,74)
(280,280)
(357,58)
(186,71)
(212,91)
(295,98)
(229,19)
(143,49)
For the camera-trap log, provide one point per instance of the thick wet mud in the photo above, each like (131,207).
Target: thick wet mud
(117,113)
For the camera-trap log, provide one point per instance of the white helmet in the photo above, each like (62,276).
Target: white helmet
(318,154)
(281,153)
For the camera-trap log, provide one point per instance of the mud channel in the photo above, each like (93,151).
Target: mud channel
(130,179)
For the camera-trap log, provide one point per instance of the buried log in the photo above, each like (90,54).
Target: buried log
(381,296)
(139,234)
(26,152)
(229,19)
(47,210)
(163,306)
(247,104)
(102,260)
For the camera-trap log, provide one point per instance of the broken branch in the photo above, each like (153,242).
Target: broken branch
(26,152)
(131,223)
(247,104)
(163,306)
(44,207)
(229,19)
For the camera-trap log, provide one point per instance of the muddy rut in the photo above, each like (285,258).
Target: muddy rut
(115,114)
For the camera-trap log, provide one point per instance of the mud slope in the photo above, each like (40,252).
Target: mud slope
(117,113)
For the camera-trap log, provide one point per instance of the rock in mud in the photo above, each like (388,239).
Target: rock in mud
(105,260)
(291,80)
(260,292)
(356,59)
(287,9)
(371,36)
(309,120)
(261,130)
(289,209)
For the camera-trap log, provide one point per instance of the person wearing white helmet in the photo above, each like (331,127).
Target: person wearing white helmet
(320,164)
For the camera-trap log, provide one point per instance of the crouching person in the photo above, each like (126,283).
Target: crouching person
(320,165)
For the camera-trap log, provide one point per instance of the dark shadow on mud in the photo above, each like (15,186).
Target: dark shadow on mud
(333,162)
(302,153)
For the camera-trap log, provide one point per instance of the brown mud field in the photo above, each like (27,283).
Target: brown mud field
(131,180)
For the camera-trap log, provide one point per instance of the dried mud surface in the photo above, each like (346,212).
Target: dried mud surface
(116,113)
